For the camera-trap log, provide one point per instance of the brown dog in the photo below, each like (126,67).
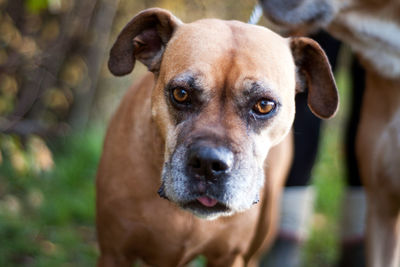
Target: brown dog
(209,131)
(372,28)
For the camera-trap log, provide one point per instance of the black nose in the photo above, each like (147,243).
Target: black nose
(209,162)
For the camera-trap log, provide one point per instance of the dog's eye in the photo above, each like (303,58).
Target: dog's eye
(264,106)
(180,95)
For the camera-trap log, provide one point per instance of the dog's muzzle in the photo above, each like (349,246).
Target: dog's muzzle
(208,179)
(208,165)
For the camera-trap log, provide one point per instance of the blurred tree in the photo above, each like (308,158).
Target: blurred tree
(100,33)
(50,58)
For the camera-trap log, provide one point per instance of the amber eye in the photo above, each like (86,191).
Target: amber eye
(264,106)
(180,95)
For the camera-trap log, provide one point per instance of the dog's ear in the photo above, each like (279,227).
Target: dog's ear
(144,38)
(315,75)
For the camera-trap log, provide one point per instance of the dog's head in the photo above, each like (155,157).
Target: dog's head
(223,96)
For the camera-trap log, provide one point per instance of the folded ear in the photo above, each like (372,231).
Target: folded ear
(315,75)
(144,38)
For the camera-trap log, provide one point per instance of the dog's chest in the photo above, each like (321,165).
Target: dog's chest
(176,239)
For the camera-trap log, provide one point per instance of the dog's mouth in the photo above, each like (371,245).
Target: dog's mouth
(205,205)
(207,201)
(202,205)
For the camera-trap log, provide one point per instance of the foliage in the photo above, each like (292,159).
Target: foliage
(46,219)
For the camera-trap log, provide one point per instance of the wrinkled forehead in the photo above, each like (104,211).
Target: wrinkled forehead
(223,52)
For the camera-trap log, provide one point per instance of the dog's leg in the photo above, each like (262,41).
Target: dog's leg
(384,212)
(228,260)
(378,142)
(281,160)
(108,260)
(383,236)
(238,262)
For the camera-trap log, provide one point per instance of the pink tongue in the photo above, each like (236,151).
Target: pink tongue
(208,202)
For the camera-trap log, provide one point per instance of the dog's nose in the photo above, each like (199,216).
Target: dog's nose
(209,162)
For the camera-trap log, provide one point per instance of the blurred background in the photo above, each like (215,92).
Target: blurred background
(56,97)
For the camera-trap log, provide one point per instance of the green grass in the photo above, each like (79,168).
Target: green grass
(322,248)
(47,219)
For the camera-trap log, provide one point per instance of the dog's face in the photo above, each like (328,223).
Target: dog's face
(224,95)
(222,107)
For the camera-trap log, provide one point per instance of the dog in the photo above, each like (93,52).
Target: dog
(196,155)
(372,29)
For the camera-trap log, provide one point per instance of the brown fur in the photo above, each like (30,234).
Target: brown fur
(133,222)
